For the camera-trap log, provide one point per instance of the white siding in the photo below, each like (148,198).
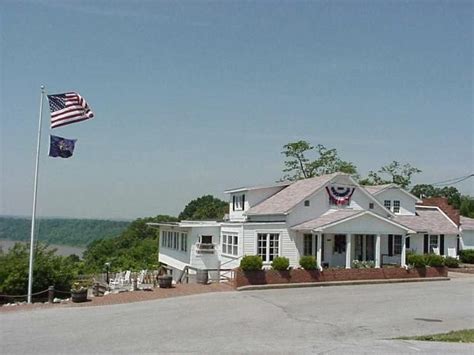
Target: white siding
(366,224)
(407,203)
(252,198)
(287,245)
(467,239)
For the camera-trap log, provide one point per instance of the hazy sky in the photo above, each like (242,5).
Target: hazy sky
(194,97)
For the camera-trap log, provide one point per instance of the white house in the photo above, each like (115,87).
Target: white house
(330,217)
(467,230)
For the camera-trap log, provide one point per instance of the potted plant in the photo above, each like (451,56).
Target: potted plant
(78,293)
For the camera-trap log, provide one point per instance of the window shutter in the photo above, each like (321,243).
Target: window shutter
(243,202)
(390,245)
(425,244)
(441,244)
(233,203)
(407,242)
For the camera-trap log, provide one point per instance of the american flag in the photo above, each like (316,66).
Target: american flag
(68,108)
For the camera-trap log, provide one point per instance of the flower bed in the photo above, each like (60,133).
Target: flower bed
(264,277)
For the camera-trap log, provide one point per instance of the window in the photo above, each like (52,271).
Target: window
(433,243)
(238,202)
(371,205)
(175,240)
(396,206)
(268,246)
(397,244)
(184,242)
(308,244)
(306,203)
(388,204)
(340,243)
(206,239)
(230,244)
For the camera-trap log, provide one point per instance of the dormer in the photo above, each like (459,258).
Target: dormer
(243,198)
(394,198)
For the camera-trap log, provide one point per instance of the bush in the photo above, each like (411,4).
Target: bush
(451,262)
(434,260)
(280,263)
(416,260)
(467,256)
(251,263)
(356,264)
(308,262)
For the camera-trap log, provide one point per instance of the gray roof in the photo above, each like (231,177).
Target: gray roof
(258,187)
(326,219)
(428,220)
(467,223)
(290,196)
(373,190)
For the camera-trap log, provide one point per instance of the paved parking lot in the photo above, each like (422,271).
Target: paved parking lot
(309,320)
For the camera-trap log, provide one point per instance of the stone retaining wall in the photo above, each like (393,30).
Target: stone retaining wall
(265,277)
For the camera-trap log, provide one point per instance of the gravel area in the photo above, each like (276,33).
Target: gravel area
(129,296)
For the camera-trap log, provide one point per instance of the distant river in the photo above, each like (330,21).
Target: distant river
(63,250)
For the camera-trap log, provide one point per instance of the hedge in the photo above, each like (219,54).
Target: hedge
(280,263)
(308,262)
(251,263)
(467,256)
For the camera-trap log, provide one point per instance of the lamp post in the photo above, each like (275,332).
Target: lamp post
(107,267)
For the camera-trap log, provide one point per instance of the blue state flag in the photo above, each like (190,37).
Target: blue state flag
(61,147)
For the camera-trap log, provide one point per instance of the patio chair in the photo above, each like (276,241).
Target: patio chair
(436,251)
(116,281)
(452,252)
(125,280)
(141,277)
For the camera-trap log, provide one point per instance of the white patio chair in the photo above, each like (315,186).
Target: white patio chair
(125,280)
(116,281)
(141,277)
(452,252)
(436,251)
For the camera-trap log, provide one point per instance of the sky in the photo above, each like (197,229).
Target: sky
(195,97)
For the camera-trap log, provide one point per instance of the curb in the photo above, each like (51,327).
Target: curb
(338,283)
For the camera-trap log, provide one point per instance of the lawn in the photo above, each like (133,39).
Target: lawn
(457,336)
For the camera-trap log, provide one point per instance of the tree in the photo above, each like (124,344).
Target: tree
(48,269)
(397,173)
(298,166)
(204,207)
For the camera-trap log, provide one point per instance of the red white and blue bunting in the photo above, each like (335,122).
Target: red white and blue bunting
(339,195)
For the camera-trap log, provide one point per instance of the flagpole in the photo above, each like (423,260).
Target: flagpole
(35,190)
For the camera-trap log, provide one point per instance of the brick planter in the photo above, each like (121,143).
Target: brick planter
(265,277)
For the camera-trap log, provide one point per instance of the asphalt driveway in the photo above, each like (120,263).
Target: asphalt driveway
(308,320)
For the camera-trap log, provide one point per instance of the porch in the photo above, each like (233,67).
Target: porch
(343,249)
(340,237)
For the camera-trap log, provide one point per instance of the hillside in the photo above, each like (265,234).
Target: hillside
(63,231)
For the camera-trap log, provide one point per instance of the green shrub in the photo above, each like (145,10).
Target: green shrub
(467,256)
(251,263)
(281,263)
(434,260)
(308,262)
(416,260)
(451,262)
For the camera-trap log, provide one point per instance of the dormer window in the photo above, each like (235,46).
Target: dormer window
(238,202)
(306,203)
(396,206)
(388,204)
(371,205)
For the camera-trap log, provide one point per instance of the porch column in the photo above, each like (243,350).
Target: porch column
(377,251)
(318,251)
(404,252)
(348,251)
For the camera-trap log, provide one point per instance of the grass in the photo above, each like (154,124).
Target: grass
(457,336)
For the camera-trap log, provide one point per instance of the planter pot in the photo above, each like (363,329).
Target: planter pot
(202,277)
(164,281)
(79,296)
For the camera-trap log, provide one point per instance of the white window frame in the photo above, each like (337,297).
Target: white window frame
(230,244)
(238,204)
(430,238)
(396,206)
(184,241)
(387,204)
(268,236)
